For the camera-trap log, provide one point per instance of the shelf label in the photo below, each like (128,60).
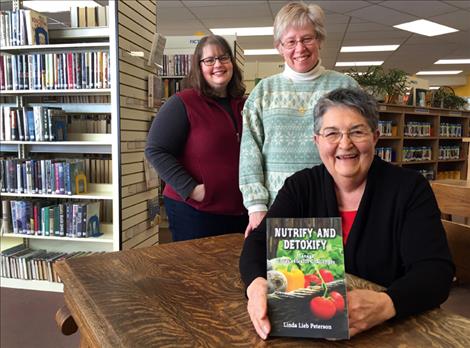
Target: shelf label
(423,111)
(382,108)
(455,113)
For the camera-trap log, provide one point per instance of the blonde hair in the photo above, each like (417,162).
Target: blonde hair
(298,15)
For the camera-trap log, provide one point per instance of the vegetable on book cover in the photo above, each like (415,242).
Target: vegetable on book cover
(306,278)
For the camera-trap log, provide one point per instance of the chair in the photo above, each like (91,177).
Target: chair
(453,198)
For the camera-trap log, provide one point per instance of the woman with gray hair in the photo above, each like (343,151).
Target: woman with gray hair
(392,231)
(276,129)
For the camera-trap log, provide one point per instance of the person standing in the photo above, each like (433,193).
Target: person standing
(276,140)
(194,144)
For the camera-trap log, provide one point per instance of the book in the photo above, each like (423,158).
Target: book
(306,278)
(156,51)
(36,28)
(154,91)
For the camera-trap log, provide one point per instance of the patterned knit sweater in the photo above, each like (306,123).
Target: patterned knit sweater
(277,138)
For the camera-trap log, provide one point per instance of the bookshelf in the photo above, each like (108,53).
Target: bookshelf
(177,60)
(125,103)
(429,140)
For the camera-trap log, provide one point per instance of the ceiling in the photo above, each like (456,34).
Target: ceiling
(348,23)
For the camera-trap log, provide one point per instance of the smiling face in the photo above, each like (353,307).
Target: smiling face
(218,75)
(301,58)
(346,160)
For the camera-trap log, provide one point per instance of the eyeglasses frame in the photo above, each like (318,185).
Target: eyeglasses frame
(348,133)
(217,58)
(301,41)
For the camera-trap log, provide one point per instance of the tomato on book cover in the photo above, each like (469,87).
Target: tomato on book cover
(306,278)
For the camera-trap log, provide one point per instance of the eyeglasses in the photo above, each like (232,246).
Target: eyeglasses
(291,43)
(209,61)
(334,135)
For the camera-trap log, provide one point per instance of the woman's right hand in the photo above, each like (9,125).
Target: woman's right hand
(198,193)
(254,220)
(258,306)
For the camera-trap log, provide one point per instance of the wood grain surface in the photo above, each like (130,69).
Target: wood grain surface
(189,294)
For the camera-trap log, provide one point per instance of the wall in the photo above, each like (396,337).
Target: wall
(136,28)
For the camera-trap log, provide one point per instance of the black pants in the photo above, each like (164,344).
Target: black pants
(189,223)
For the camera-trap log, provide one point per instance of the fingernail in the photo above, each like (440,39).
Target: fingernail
(265,331)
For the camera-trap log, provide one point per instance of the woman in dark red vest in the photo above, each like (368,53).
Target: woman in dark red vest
(194,144)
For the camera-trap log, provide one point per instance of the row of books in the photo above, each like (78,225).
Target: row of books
(57,176)
(99,170)
(32,124)
(21,262)
(176,65)
(51,71)
(78,99)
(44,218)
(23,27)
(89,123)
(170,87)
(82,17)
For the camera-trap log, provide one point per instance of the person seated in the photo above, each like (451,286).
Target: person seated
(392,230)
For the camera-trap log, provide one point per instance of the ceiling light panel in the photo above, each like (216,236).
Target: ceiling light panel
(442,72)
(373,48)
(253,31)
(261,52)
(425,27)
(453,61)
(365,63)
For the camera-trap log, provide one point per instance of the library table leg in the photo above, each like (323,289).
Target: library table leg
(65,321)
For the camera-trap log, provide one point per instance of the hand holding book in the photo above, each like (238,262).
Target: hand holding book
(258,306)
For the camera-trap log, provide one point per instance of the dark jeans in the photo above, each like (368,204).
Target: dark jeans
(189,223)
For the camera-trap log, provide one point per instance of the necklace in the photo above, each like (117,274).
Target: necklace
(304,106)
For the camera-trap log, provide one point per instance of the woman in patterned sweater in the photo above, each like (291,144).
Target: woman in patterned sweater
(276,138)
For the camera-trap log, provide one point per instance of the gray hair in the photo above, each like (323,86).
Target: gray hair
(354,98)
(298,15)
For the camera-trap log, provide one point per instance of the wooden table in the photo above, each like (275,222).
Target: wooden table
(189,294)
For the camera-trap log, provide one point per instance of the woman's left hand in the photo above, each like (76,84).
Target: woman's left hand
(367,308)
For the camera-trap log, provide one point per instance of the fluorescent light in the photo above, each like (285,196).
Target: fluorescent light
(377,62)
(434,87)
(453,61)
(425,27)
(261,52)
(443,72)
(375,48)
(254,31)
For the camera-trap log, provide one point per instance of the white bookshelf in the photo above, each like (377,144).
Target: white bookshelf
(84,39)
(130,121)
(41,285)
(54,48)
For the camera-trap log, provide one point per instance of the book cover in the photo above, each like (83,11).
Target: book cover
(306,278)
(36,28)
(92,219)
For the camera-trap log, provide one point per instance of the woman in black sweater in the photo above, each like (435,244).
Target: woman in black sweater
(392,230)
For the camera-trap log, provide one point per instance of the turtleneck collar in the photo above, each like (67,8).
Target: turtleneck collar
(309,75)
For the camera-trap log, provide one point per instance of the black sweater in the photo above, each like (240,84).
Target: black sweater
(397,239)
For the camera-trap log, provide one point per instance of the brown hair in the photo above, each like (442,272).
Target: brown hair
(235,87)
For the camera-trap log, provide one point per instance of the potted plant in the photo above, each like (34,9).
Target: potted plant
(385,86)
(395,84)
(371,80)
(445,97)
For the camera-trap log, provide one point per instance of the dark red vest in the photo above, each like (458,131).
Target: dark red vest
(211,154)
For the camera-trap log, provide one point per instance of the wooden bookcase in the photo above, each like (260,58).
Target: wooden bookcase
(131,27)
(439,130)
